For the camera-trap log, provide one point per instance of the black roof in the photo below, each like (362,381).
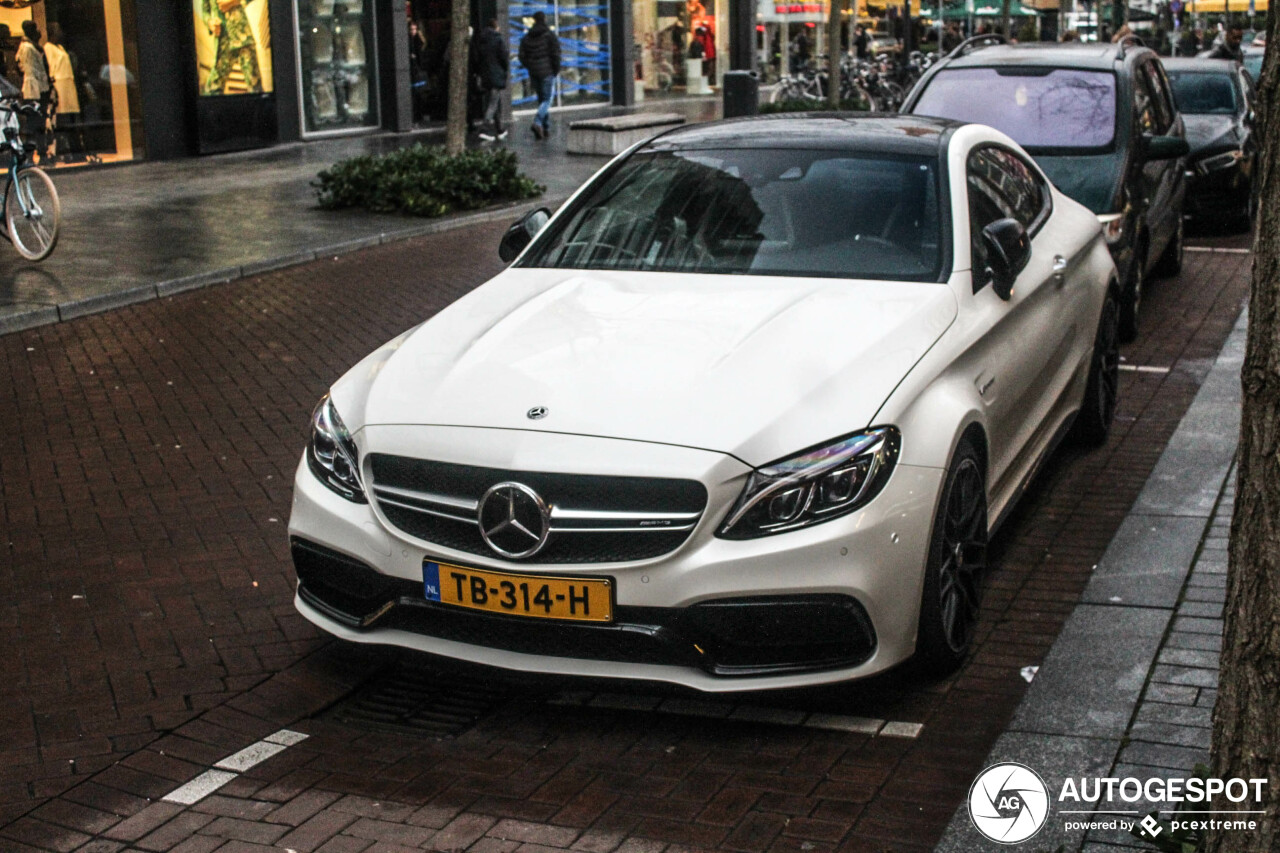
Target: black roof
(1041,54)
(888,133)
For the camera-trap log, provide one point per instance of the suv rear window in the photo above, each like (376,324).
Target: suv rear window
(1059,108)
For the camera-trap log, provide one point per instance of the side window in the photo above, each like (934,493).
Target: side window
(986,205)
(1152,117)
(1001,184)
(1163,95)
(1143,109)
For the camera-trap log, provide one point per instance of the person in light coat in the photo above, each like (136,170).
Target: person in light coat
(62,75)
(35,85)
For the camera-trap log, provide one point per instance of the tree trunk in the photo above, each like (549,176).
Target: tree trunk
(455,137)
(833,54)
(1007,20)
(1246,725)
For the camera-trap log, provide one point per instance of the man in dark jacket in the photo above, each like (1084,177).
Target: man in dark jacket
(540,55)
(1229,48)
(491,67)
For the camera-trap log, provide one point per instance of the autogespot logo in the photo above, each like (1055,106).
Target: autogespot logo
(1008,803)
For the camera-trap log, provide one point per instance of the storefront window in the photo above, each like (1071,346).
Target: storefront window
(338,74)
(676,39)
(583,29)
(233,46)
(91,49)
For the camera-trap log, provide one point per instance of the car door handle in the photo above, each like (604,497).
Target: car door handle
(1059,270)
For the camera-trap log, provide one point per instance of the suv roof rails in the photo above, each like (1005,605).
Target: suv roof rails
(976,43)
(1130,40)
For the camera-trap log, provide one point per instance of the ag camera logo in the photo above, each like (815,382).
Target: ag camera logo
(1008,803)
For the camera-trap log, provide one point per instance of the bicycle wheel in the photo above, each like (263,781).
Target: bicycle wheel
(32,220)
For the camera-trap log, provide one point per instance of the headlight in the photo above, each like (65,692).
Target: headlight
(814,486)
(1218,162)
(1112,227)
(332,454)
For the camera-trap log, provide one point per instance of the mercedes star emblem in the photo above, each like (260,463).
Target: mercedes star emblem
(514,520)
(537,413)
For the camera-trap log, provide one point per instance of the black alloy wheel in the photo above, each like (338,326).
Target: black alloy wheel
(1093,423)
(956,568)
(1171,261)
(1131,302)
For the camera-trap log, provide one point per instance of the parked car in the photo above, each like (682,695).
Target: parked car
(1100,120)
(742,415)
(1253,56)
(1215,97)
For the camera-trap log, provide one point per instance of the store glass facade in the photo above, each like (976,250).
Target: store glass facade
(91,49)
(338,69)
(670,33)
(583,28)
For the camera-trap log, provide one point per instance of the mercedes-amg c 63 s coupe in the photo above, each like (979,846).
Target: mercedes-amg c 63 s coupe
(742,414)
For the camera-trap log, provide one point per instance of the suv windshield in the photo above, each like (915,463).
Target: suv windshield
(1038,108)
(755,212)
(1199,92)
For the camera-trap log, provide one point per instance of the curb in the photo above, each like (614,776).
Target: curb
(45,315)
(1076,717)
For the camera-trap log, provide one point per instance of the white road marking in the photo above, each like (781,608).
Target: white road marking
(1143,368)
(1219,250)
(254,753)
(199,788)
(232,766)
(841,723)
(901,729)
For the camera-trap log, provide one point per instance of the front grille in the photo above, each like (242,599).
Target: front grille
(766,635)
(594,519)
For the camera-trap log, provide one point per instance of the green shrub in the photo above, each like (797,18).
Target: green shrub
(424,181)
(806,105)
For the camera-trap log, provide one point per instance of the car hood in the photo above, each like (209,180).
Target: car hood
(757,367)
(1091,180)
(1211,132)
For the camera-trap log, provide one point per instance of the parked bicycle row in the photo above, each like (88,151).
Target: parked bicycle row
(880,84)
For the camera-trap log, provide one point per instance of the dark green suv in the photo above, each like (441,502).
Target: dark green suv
(1099,119)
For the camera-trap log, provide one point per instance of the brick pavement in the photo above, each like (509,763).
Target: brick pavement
(153,632)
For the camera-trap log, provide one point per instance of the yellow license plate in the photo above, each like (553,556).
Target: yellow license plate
(581,599)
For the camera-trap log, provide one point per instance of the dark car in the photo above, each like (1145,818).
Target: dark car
(1215,97)
(1099,119)
(1253,57)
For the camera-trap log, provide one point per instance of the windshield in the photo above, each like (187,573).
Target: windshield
(1038,108)
(755,212)
(1203,93)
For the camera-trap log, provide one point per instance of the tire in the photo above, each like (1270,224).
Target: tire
(955,568)
(35,235)
(1093,423)
(1131,298)
(1170,263)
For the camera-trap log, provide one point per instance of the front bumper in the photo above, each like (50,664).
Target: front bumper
(832,602)
(1224,191)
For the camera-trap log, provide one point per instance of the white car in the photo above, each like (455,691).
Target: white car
(742,415)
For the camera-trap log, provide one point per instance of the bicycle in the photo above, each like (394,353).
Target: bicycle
(32,212)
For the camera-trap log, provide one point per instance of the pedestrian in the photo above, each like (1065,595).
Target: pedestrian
(35,86)
(540,55)
(62,74)
(1229,48)
(1121,34)
(862,44)
(492,63)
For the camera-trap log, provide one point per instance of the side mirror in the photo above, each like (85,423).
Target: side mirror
(1165,147)
(522,233)
(1008,251)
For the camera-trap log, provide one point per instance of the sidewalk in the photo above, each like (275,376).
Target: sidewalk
(147,230)
(1128,688)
